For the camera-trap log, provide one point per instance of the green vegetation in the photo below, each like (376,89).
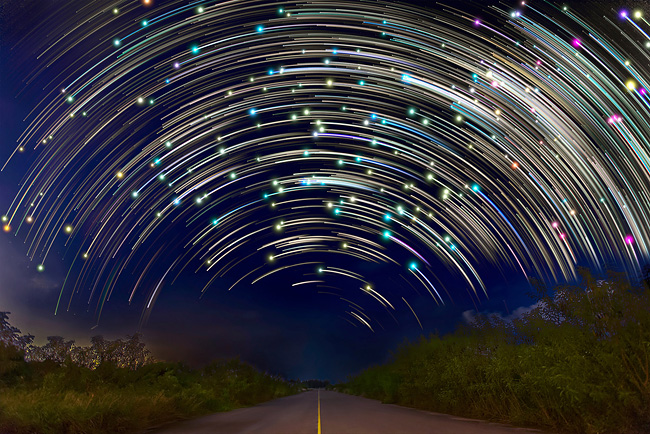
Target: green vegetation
(577,362)
(114,386)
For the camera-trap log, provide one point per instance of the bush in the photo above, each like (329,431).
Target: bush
(109,393)
(577,362)
(73,399)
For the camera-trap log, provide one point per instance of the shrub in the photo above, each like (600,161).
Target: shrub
(115,391)
(577,362)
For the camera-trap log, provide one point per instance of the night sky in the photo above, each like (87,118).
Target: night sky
(308,184)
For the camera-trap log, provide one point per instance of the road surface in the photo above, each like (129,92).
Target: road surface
(325,412)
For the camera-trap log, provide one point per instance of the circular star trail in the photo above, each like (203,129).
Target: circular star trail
(251,141)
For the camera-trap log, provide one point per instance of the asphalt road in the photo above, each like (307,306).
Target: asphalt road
(324,412)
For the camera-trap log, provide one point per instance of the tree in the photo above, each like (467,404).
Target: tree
(10,335)
(57,350)
(12,348)
(134,353)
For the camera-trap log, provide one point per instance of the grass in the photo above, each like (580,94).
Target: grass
(43,411)
(47,398)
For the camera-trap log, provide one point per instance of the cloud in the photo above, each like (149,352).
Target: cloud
(43,284)
(19,278)
(469,316)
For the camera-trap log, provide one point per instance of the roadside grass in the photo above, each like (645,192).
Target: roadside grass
(51,399)
(579,362)
(44,411)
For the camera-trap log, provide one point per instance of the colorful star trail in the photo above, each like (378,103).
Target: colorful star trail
(255,139)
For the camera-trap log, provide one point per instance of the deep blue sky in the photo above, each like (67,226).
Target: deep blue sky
(272,325)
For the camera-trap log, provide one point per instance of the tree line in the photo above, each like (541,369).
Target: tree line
(128,353)
(114,385)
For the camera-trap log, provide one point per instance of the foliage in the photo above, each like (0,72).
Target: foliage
(577,362)
(10,335)
(130,353)
(113,387)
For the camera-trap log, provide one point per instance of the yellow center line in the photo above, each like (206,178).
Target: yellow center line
(319,411)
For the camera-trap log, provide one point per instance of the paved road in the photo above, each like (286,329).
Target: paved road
(338,414)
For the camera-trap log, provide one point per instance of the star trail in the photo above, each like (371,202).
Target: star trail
(294,142)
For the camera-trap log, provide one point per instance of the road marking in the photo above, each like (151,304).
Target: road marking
(319,411)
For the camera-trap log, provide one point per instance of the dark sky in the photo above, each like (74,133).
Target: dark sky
(508,192)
